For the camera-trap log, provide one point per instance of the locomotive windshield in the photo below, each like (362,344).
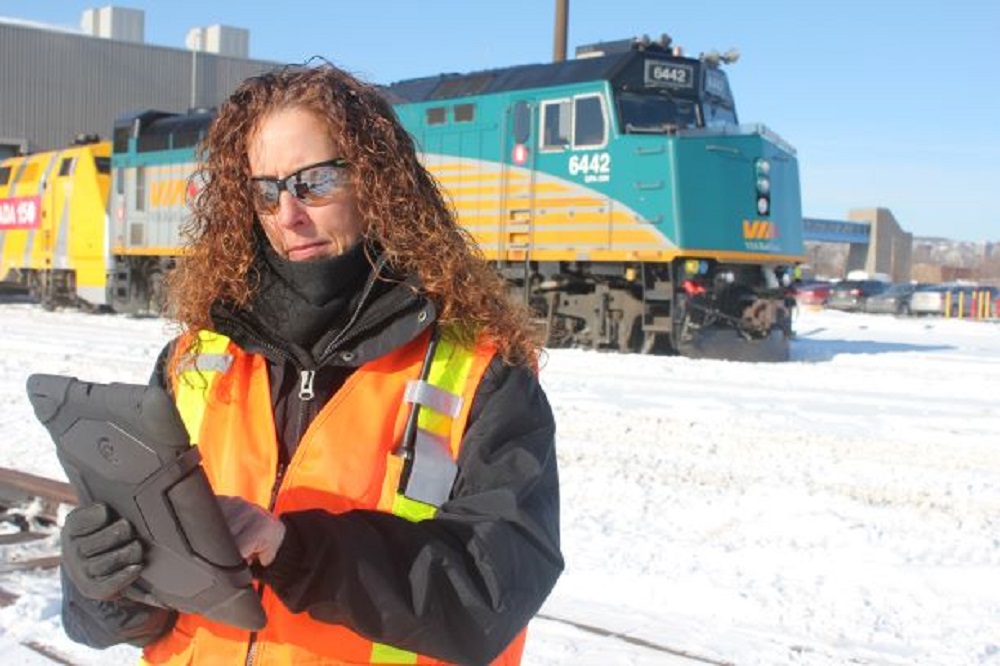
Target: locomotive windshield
(654,112)
(717,109)
(674,95)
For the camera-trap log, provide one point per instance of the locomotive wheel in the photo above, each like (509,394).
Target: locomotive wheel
(155,291)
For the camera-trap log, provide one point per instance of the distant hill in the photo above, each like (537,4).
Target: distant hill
(941,260)
(934,259)
(961,254)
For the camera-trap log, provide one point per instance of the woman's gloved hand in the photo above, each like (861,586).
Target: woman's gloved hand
(258,534)
(100,552)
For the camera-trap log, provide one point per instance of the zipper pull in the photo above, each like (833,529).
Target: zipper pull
(306,385)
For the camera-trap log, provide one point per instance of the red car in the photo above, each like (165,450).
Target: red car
(811,293)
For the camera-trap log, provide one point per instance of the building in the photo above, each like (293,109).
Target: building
(870,241)
(889,250)
(59,84)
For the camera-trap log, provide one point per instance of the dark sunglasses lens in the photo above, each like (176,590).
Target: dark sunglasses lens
(265,194)
(317,183)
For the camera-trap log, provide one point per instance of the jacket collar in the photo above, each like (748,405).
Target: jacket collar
(387,312)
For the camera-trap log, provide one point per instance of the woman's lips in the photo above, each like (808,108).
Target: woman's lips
(307,251)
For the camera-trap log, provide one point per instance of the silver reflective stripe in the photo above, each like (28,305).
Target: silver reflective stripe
(218,362)
(433,471)
(60,252)
(208,363)
(428,395)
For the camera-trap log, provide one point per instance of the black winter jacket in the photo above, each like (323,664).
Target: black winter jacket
(497,537)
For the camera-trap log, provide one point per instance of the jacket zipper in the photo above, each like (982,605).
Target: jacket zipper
(306,392)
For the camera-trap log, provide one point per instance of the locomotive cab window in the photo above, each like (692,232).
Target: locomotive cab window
(522,122)
(589,124)
(717,116)
(186,139)
(556,123)
(66,166)
(121,138)
(718,109)
(152,141)
(4,175)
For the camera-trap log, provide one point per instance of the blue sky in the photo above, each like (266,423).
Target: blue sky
(889,103)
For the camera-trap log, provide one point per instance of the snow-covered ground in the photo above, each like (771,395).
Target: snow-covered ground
(843,508)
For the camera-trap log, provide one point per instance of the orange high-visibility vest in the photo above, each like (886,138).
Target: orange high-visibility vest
(349,458)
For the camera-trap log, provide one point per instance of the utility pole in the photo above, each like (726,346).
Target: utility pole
(559,37)
(196,42)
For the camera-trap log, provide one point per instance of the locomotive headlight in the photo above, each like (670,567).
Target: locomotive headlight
(762,169)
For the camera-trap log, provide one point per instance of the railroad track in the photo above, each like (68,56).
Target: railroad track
(675,655)
(30,505)
(29,511)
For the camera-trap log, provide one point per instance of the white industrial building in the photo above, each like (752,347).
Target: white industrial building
(58,84)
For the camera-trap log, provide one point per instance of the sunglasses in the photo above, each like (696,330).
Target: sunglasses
(313,185)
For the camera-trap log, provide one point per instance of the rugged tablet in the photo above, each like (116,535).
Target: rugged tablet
(125,445)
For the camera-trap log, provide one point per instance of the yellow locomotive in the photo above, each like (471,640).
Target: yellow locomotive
(53,222)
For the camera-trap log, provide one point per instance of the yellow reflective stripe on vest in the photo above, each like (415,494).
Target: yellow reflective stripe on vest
(196,376)
(432,463)
(386,654)
(449,373)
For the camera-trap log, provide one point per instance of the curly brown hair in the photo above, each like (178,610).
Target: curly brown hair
(401,204)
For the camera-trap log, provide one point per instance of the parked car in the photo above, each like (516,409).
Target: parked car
(955,301)
(851,294)
(811,293)
(894,300)
(929,300)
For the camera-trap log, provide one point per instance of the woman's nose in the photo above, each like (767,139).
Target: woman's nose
(291,211)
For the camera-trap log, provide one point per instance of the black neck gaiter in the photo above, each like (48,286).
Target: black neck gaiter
(300,301)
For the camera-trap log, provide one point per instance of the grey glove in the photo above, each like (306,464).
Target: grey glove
(258,534)
(101,555)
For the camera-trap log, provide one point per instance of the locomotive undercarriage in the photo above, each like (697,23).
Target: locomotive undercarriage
(729,312)
(54,287)
(725,311)
(137,284)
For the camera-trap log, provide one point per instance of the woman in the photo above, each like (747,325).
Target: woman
(363,396)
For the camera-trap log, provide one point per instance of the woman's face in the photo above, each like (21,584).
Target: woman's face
(284,146)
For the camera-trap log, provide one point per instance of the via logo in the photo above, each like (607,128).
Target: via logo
(759,230)
(107,451)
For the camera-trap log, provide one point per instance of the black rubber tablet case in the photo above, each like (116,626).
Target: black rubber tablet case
(125,445)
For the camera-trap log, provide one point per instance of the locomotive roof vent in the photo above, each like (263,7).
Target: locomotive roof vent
(644,43)
(85,139)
